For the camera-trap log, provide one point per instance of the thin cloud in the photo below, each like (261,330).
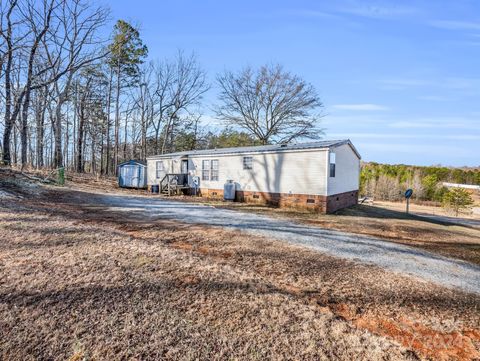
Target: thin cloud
(403,83)
(379,12)
(455,25)
(361,107)
(434,98)
(449,123)
(425,149)
(455,83)
(404,136)
(313,14)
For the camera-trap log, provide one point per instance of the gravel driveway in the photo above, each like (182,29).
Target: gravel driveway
(391,256)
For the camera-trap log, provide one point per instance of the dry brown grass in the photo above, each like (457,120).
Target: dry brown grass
(77,283)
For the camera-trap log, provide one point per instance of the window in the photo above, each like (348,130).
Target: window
(205,170)
(247,162)
(210,170)
(332,165)
(160,168)
(214,170)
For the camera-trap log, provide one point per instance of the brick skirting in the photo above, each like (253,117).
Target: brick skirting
(321,204)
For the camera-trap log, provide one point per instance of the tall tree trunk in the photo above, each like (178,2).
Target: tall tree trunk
(24,128)
(40,124)
(81,124)
(117,119)
(67,139)
(133,143)
(57,134)
(50,143)
(144,138)
(62,97)
(166,135)
(74,132)
(15,147)
(125,139)
(108,145)
(102,135)
(94,141)
(84,150)
(157,140)
(31,156)
(8,90)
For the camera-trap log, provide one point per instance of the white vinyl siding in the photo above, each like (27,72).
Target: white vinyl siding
(347,171)
(169,166)
(296,172)
(302,172)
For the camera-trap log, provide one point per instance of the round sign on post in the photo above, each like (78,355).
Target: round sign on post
(408,194)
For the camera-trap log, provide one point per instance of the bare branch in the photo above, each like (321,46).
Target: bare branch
(270,103)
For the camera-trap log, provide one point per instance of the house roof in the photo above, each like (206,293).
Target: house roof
(133,161)
(324,144)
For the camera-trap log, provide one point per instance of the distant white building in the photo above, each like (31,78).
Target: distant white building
(464,186)
(322,175)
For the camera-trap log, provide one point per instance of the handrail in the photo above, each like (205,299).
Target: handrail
(170,177)
(161,183)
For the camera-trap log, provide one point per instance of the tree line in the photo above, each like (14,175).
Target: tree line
(74,97)
(389,182)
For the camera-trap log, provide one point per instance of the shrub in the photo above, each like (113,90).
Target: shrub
(457,199)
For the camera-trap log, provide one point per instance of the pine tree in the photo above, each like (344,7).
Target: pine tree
(457,199)
(127,52)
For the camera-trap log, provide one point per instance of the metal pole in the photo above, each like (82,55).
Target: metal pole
(408,204)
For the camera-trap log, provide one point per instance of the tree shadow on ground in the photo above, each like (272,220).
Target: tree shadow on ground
(376,212)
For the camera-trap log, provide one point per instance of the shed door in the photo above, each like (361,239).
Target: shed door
(130,175)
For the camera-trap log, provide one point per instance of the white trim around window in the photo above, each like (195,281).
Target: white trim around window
(210,169)
(247,163)
(159,168)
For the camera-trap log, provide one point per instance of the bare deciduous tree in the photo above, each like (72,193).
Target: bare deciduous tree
(75,47)
(38,18)
(69,100)
(270,103)
(7,35)
(186,90)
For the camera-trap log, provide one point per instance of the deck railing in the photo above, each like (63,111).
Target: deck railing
(172,183)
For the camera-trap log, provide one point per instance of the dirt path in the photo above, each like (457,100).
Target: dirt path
(395,257)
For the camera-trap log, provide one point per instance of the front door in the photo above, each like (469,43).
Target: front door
(185,166)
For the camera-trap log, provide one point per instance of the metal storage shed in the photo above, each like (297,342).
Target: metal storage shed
(132,174)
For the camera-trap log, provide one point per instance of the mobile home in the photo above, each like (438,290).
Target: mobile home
(322,175)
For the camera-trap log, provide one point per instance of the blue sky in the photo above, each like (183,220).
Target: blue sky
(401,79)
